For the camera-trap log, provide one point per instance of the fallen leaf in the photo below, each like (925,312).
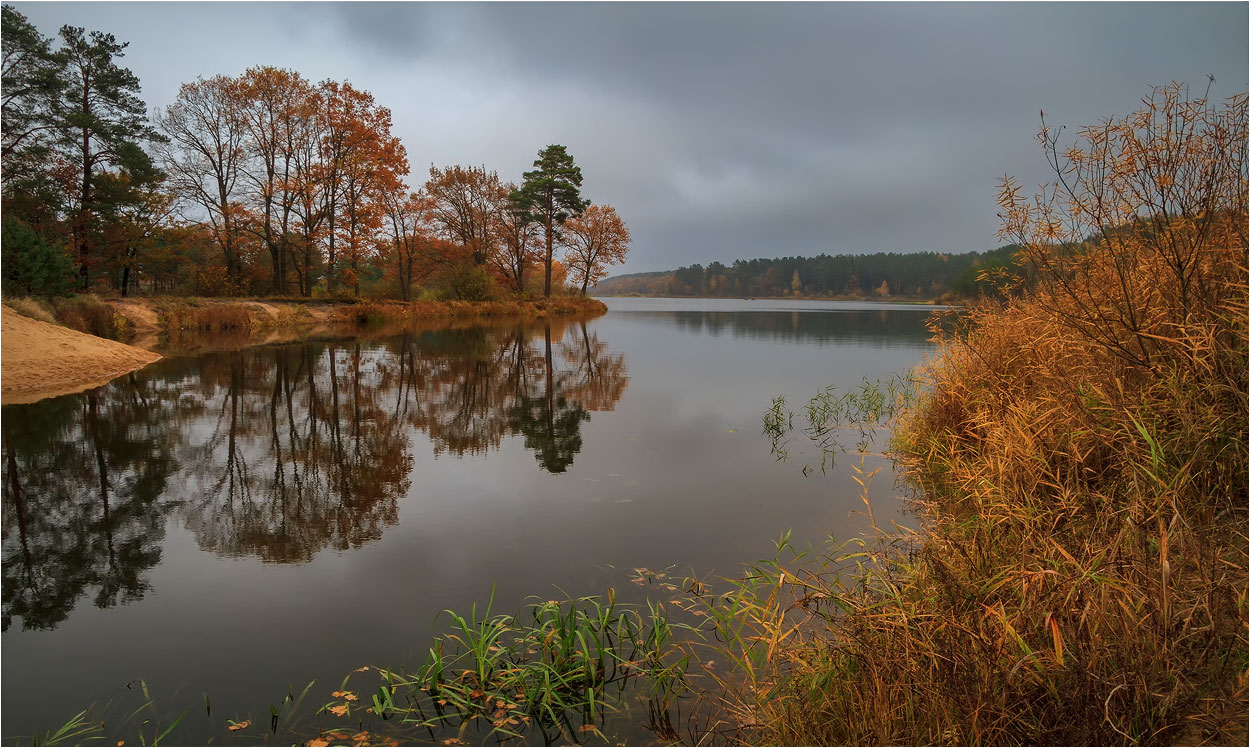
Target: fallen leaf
(499,715)
(338,736)
(441,702)
(239,725)
(454,741)
(361,737)
(121,742)
(586,728)
(339,711)
(317,743)
(344,695)
(509,705)
(349,696)
(499,703)
(479,693)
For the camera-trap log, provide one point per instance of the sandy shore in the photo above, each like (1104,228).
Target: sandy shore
(39,360)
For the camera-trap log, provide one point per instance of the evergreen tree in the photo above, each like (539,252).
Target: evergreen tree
(30,86)
(99,118)
(31,267)
(551,194)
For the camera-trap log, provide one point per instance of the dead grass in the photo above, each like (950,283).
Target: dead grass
(1081,577)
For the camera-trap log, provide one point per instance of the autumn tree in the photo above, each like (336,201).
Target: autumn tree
(551,194)
(276,111)
(467,203)
(594,240)
(372,164)
(521,246)
(205,156)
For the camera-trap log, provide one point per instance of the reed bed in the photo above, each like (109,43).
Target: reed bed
(1080,576)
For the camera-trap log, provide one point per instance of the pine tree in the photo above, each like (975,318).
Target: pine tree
(551,194)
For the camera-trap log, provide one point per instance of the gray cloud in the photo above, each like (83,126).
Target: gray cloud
(719,131)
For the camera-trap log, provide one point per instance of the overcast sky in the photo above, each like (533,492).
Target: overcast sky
(718,131)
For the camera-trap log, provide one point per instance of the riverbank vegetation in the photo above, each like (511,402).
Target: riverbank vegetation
(262,183)
(1080,573)
(158,322)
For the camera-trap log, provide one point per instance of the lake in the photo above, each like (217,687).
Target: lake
(235,523)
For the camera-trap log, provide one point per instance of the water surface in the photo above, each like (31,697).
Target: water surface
(234,522)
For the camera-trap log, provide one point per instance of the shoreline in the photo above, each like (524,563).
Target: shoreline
(70,345)
(39,360)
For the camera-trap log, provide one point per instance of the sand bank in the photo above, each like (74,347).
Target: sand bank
(39,360)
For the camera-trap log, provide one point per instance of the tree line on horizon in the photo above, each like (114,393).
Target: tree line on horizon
(262,183)
(919,275)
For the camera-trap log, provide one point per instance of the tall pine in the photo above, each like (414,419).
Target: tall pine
(100,118)
(550,195)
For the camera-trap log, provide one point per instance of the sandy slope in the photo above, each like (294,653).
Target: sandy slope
(39,360)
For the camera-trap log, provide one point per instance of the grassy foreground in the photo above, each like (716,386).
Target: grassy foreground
(1081,573)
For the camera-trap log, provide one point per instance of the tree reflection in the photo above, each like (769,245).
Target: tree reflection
(272,452)
(302,454)
(85,498)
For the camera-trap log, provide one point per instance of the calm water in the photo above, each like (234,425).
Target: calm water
(231,523)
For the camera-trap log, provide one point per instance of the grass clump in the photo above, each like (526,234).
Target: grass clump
(1081,454)
(86,313)
(180,317)
(557,671)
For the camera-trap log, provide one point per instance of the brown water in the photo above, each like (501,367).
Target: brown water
(235,523)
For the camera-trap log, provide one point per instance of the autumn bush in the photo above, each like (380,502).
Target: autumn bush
(204,317)
(89,314)
(1080,453)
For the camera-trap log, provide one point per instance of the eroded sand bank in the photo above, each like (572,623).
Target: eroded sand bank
(39,360)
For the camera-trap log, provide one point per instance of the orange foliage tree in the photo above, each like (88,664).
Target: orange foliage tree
(467,203)
(594,240)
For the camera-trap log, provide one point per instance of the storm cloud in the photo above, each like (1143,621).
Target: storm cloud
(719,131)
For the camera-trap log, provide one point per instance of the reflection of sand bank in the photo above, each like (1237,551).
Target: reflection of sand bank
(39,360)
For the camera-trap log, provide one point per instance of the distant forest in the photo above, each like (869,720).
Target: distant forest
(920,275)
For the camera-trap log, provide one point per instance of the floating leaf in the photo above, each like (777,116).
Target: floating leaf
(339,710)
(586,728)
(361,669)
(479,693)
(317,743)
(361,737)
(234,726)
